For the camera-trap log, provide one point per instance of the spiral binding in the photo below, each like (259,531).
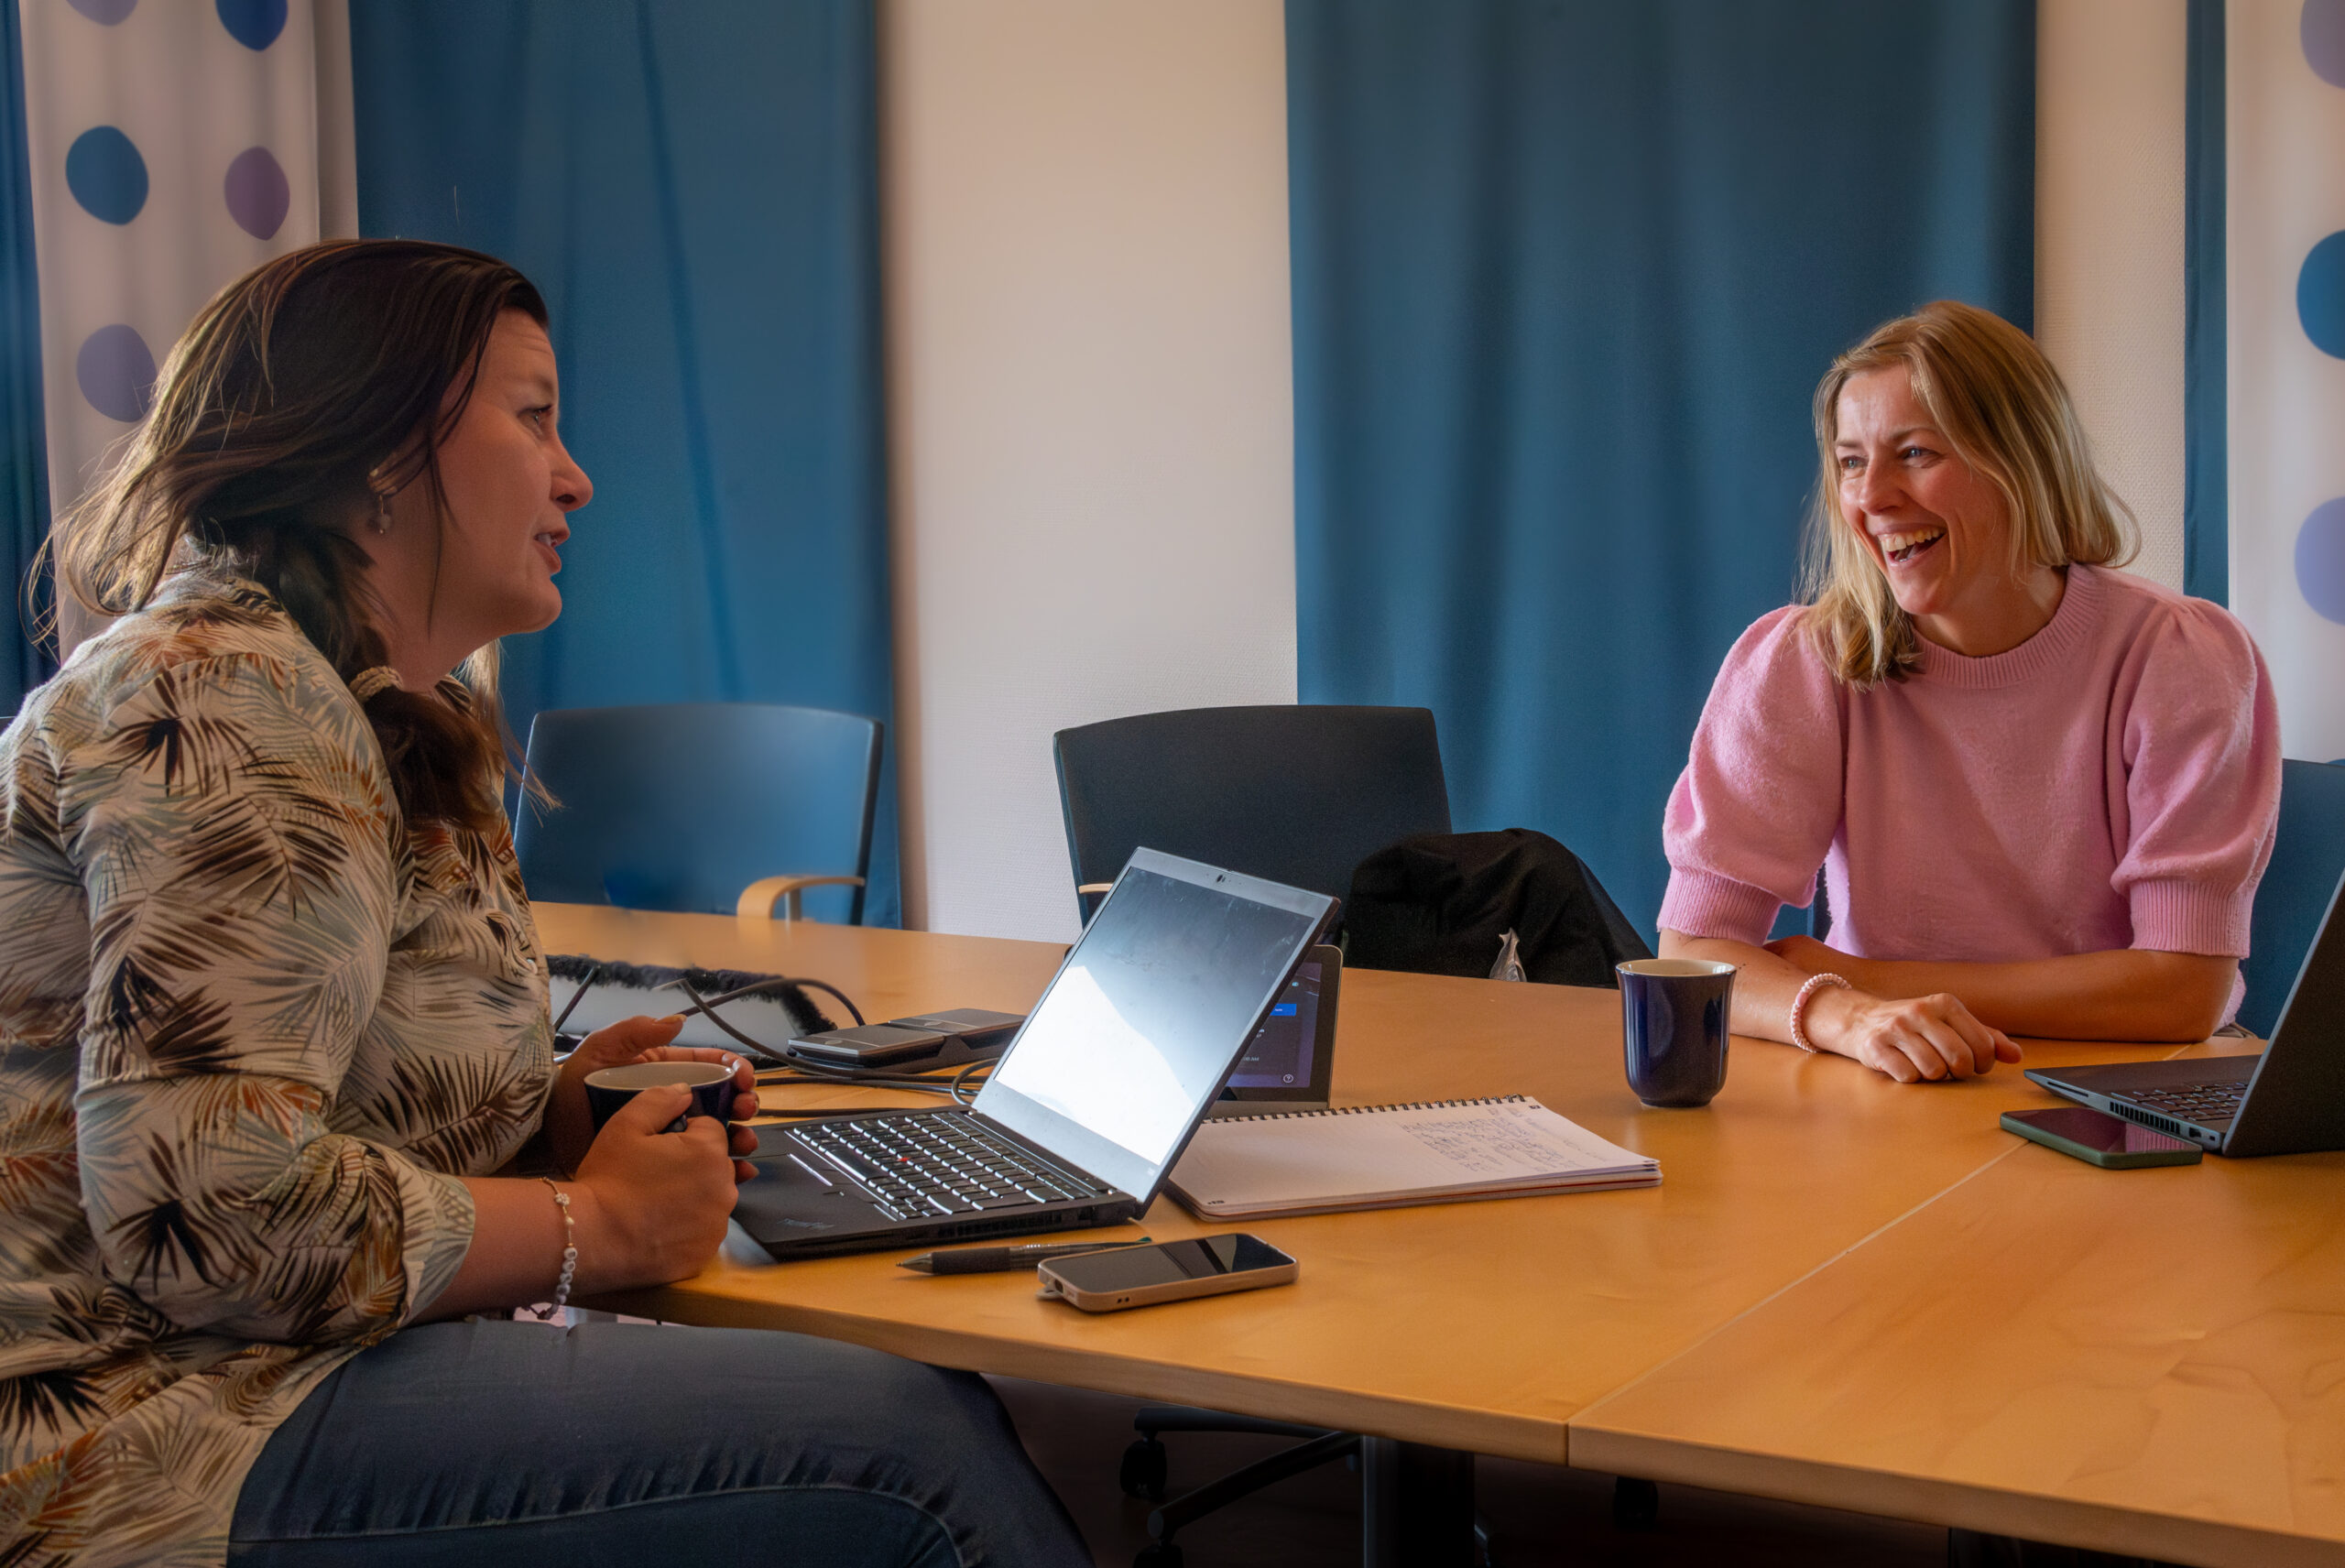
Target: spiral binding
(1379,1110)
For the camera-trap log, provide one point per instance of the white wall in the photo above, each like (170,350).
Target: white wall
(1091,419)
(2110,76)
(1091,387)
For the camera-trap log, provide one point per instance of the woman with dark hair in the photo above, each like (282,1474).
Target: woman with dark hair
(273,1018)
(2042,792)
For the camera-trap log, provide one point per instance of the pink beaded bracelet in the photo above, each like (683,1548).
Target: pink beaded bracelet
(1799,1006)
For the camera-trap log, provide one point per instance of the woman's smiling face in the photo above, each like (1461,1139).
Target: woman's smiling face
(510,485)
(1940,528)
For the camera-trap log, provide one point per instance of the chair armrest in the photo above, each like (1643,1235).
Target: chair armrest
(758,899)
(1087,888)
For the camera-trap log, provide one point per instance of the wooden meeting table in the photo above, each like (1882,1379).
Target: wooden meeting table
(1845,1291)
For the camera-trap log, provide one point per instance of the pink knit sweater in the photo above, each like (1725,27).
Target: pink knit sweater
(2111,782)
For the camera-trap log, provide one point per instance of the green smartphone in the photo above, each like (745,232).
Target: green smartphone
(2099,1138)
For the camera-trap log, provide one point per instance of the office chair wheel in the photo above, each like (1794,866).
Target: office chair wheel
(1163,1554)
(1636,1505)
(1142,1475)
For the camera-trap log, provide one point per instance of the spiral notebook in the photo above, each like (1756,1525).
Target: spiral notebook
(1389,1157)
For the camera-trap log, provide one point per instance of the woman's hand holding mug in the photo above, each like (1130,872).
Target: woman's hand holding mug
(570,1121)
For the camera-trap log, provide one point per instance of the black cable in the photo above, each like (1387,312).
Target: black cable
(755,1047)
(775,984)
(917,1085)
(798,1070)
(809,1115)
(809,1073)
(706,1006)
(577,997)
(822,1072)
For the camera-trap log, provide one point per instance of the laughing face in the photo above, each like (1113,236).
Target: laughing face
(1940,528)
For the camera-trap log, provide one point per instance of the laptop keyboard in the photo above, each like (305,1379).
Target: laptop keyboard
(2195,1102)
(920,1166)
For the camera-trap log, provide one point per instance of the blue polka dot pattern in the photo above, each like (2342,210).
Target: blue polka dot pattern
(252,23)
(2320,560)
(258,193)
(106,175)
(116,373)
(2320,295)
(105,13)
(2322,32)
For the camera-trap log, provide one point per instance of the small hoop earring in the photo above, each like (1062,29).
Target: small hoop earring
(382,523)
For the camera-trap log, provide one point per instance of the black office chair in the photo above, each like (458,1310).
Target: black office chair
(1297,794)
(712,808)
(2308,855)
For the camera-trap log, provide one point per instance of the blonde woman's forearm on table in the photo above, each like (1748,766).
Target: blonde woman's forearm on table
(2129,994)
(1908,1038)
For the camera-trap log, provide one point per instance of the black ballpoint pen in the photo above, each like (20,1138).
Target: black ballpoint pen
(1001,1259)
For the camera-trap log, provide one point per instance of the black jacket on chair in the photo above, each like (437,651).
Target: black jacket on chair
(1441,903)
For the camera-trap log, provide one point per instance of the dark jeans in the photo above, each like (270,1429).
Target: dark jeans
(514,1444)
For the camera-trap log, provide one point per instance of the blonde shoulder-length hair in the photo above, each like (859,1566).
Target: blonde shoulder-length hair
(1998,401)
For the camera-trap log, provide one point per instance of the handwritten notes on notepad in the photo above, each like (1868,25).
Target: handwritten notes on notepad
(1384,1157)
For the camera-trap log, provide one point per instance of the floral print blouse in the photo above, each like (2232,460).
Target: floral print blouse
(251,1030)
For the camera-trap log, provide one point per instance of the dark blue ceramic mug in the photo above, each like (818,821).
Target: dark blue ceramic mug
(711,1084)
(1674,1015)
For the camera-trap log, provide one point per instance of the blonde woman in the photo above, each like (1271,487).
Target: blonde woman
(2041,790)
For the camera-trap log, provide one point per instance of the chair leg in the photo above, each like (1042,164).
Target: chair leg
(1144,1469)
(1416,1505)
(1636,1505)
(1484,1552)
(1224,1490)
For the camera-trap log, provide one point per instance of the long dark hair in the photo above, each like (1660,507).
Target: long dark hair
(307,388)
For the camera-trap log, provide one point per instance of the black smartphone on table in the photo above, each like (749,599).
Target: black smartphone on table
(2099,1138)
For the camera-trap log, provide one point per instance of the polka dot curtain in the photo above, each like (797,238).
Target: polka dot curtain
(173,145)
(2285,192)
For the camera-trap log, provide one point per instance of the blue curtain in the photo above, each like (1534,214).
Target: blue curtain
(1567,273)
(24,455)
(2207,469)
(693,187)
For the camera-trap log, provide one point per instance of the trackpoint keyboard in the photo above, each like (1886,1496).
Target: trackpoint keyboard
(918,1165)
(2195,1102)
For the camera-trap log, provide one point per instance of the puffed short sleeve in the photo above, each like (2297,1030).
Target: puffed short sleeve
(1754,812)
(2201,753)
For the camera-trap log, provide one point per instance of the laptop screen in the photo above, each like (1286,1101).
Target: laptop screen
(1116,1063)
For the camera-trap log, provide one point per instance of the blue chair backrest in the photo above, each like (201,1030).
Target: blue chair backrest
(682,806)
(2307,856)
(1298,794)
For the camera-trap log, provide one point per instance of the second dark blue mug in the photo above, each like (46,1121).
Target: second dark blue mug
(1673,1025)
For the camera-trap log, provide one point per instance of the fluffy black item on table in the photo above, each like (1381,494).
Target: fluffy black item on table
(805,1017)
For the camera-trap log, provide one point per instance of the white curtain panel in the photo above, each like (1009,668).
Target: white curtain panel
(174,146)
(2285,179)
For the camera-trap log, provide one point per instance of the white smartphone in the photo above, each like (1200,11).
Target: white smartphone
(1168,1271)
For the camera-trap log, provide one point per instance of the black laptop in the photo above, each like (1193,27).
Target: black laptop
(2289,1100)
(1089,1107)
